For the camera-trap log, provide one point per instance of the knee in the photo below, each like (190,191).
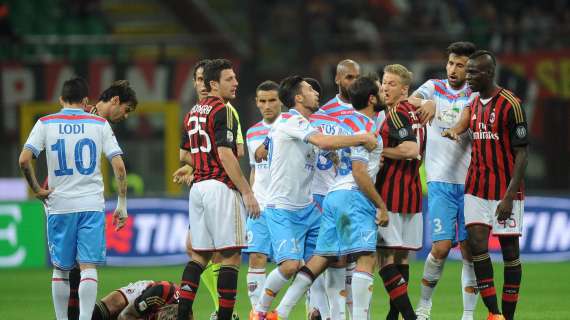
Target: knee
(257,260)
(440,249)
(289,268)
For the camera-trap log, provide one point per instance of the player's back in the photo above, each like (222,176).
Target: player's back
(292,162)
(74,141)
(398,181)
(209,125)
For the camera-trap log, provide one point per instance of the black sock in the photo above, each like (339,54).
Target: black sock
(188,289)
(73,304)
(397,288)
(100,312)
(485,283)
(405,271)
(227,291)
(513,275)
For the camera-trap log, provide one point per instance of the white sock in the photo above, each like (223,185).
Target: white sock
(336,291)
(60,293)
(255,282)
(87,293)
(318,297)
(274,282)
(348,284)
(470,295)
(433,269)
(299,286)
(362,284)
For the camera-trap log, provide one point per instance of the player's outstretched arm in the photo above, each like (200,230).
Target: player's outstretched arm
(461,126)
(366,185)
(326,142)
(405,150)
(25,162)
(425,108)
(231,165)
(120,214)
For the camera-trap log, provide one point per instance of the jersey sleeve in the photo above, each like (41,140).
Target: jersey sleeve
(184,138)
(251,152)
(225,128)
(426,90)
(110,145)
(36,139)
(299,128)
(517,125)
(400,127)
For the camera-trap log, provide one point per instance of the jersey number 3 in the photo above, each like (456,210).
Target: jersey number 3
(63,170)
(194,123)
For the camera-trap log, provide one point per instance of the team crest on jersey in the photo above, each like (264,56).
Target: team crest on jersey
(230,136)
(403,132)
(492,117)
(474,117)
(521,132)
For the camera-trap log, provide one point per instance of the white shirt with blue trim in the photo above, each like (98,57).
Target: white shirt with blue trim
(73,141)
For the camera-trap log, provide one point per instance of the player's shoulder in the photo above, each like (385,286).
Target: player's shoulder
(257,131)
(258,126)
(355,122)
(511,99)
(315,117)
(78,116)
(331,104)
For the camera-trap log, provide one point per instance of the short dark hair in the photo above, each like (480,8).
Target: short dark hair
(315,84)
(74,90)
(121,89)
(461,48)
(374,76)
(480,53)
(288,89)
(361,90)
(267,85)
(198,65)
(213,71)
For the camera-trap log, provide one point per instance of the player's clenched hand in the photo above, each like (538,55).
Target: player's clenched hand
(504,209)
(261,153)
(251,205)
(426,111)
(120,218)
(449,133)
(183,174)
(370,141)
(382,216)
(43,194)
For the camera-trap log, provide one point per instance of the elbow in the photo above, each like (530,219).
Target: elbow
(23,162)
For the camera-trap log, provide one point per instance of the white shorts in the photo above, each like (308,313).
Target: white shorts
(482,211)
(404,231)
(134,289)
(217,217)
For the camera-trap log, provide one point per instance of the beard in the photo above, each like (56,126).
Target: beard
(380,106)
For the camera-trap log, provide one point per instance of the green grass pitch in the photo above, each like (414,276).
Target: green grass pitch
(26,294)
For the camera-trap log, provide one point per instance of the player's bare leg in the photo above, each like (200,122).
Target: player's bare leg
(512,274)
(256,277)
(87,290)
(394,281)
(478,239)
(468,283)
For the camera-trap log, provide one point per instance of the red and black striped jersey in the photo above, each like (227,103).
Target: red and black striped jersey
(209,125)
(398,181)
(497,126)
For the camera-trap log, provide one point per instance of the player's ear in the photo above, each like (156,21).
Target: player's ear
(61,102)
(214,85)
(115,100)
(85,101)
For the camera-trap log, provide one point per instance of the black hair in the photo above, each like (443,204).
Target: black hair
(461,48)
(288,89)
(121,89)
(198,65)
(480,53)
(361,90)
(213,71)
(315,84)
(267,85)
(74,90)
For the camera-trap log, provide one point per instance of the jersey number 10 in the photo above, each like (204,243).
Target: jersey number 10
(63,170)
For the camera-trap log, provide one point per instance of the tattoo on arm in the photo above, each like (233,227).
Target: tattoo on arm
(30,175)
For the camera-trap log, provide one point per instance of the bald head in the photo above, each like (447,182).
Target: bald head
(347,71)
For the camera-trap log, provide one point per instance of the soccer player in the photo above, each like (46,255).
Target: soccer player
(347,71)
(446,164)
(216,207)
(259,241)
(399,185)
(494,189)
(291,213)
(74,201)
(352,210)
(144,299)
(185,175)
